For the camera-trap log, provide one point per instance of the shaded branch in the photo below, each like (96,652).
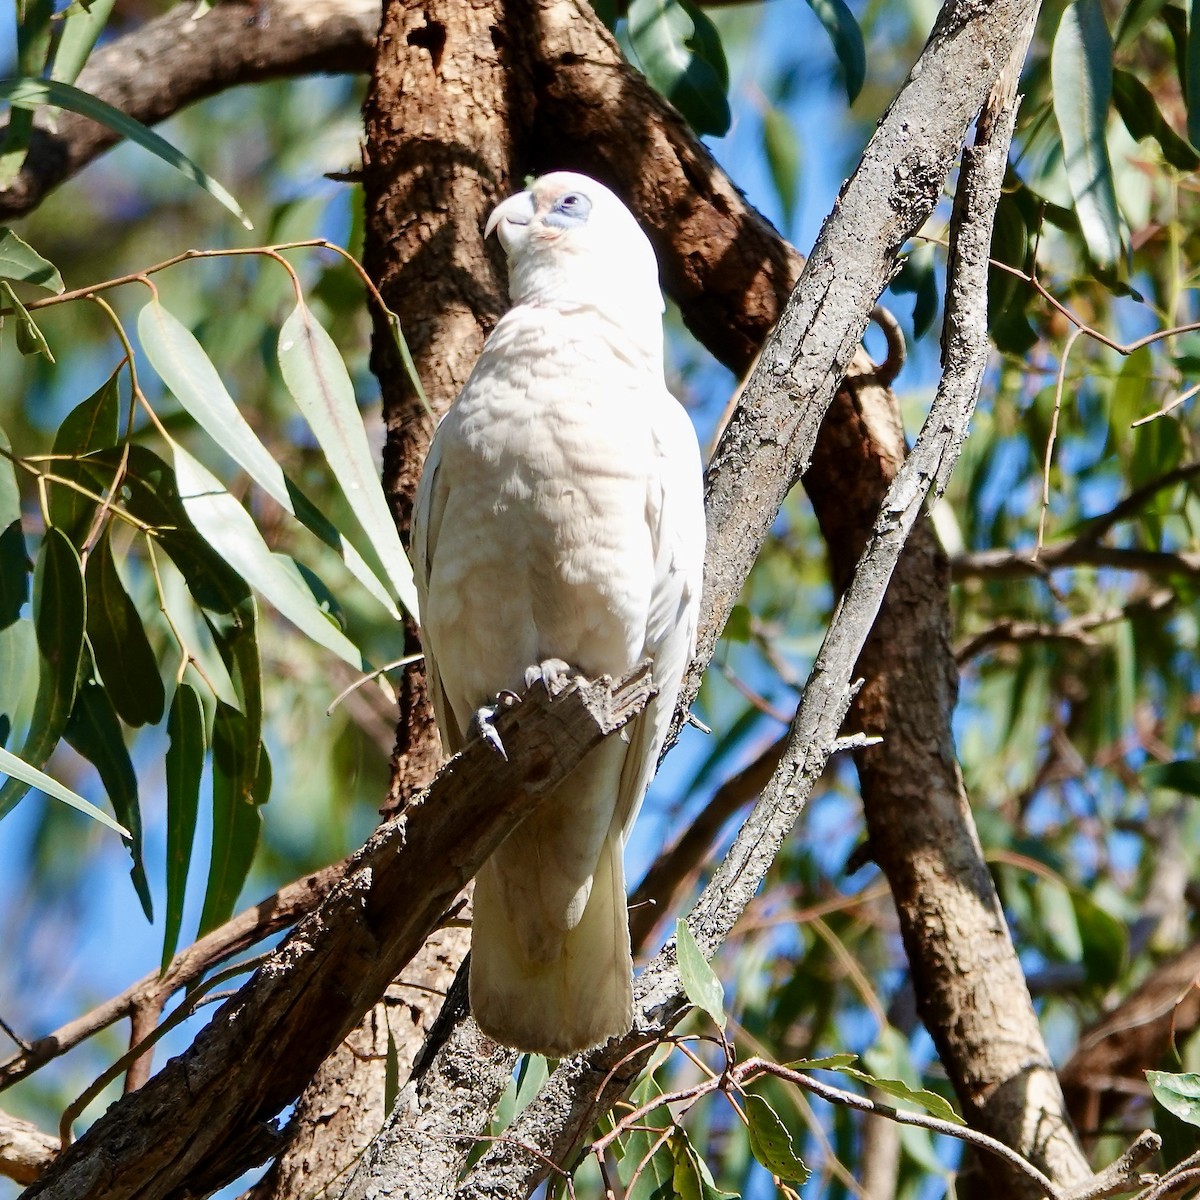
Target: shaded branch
(1080,552)
(1076,629)
(184,55)
(208,1115)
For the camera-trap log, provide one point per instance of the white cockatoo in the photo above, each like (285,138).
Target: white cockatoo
(559,527)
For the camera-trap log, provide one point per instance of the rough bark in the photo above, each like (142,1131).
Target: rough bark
(559,1119)
(724,263)
(185,55)
(208,1114)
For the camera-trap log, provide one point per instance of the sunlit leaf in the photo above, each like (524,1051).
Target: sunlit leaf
(231,531)
(1178,1094)
(185,368)
(318,380)
(21,263)
(1081,75)
(58,614)
(81,29)
(680,51)
(770,1141)
(847,40)
(184,766)
(239,791)
(16,768)
(29,93)
(121,649)
(700,981)
(94,731)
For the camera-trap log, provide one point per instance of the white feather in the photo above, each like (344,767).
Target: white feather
(560,515)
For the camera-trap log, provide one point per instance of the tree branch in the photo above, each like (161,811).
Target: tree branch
(206,1117)
(582,1089)
(1080,552)
(285,907)
(25,1151)
(185,55)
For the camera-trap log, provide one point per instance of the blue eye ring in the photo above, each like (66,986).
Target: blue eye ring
(574,205)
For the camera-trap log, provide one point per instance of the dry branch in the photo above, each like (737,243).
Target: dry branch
(279,910)
(208,1115)
(184,55)
(581,1090)
(25,1151)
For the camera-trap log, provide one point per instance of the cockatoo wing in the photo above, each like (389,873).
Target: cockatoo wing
(429,504)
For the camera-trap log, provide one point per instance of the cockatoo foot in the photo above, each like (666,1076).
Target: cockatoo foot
(483,721)
(553,673)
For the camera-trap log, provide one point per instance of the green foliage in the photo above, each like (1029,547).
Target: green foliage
(28,94)
(151,672)
(680,50)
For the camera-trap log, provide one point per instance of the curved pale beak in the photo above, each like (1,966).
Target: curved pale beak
(516,210)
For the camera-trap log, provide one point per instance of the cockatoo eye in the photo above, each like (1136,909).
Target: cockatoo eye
(569,210)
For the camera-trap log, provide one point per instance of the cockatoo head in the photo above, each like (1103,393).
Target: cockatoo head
(572,244)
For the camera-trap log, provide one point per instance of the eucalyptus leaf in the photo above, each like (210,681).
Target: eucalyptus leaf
(317,378)
(770,1141)
(936,1105)
(239,791)
(847,38)
(58,615)
(27,93)
(1178,1094)
(186,369)
(680,52)
(91,425)
(231,531)
(17,652)
(184,767)
(1182,775)
(30,339)
(1081,78)
(700,981)
(16,768)
(122,651)
(1144,119)
(21,263)
(82,28)
(95,732)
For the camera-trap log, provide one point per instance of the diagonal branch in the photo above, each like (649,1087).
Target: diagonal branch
(582,1089)
(208,1115)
